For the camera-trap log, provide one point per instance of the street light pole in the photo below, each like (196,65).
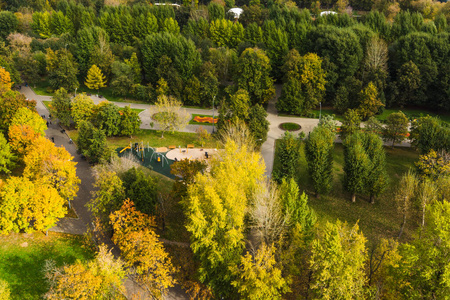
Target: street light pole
(214,98)
(320,112)
(75,92)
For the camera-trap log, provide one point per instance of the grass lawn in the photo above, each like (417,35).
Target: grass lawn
(200,123)
(290,126)
(21,265)
(375,220)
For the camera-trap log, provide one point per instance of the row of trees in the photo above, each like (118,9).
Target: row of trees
(94,122)
(36,199)
(147,51)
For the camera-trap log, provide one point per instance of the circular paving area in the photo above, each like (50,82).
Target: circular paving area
(192,153)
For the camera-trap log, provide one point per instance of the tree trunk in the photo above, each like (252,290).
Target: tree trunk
(423,215)
(403,226)
(317,195)
(353,197)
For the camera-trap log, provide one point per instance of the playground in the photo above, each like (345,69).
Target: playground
(161,158)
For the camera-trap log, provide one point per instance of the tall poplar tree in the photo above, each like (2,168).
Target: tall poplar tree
(318,148)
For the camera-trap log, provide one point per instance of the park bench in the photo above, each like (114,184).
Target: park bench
(172,147)
(190,146)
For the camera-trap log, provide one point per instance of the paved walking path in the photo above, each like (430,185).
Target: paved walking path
(80,225)
(267,148)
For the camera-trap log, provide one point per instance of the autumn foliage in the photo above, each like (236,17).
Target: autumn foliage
(150,265)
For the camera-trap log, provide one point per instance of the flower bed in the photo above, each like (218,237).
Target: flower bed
(200,119)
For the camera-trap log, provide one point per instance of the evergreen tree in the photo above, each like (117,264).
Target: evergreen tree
(95,78)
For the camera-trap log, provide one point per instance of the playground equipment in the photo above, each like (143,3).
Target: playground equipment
(160,157)
(126,148)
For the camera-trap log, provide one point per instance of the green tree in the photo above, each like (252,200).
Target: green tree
(424,268)
(95,79)
(276,41)
(192,90)
(108,118)
(305,85)
(182,52)
(341,48)
(377,179)
(369,103)
(408,83)
(82,109)
(91,141)
(171,26)
(133,62)
(129,121)
(210,83)
(141,189)
(122,78)
(289,153)
(319,152)
(429,133)
(239,105)
(41,24)
(8,23)
(258,123)
(295,205)
(60,24)
(226,33)
(337,262)
(62,69)
(396,128)
(260,277)
(215,11)
(6,156)
(356,164)
(253,75)
(61,106)
(107,197)
(350,124)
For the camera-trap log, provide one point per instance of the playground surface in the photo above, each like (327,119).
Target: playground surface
(160,159)
(193,153)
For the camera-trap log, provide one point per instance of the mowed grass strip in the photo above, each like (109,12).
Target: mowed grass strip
(375,220)
(22,259)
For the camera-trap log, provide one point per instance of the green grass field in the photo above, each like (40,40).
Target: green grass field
(22,259)
(376,220)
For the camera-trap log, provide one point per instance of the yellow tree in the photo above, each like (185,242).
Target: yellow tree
(5,80)
(337,262)
(29,206)
(259,276)
(370,103)
(150,265)
(95,78)
(101,278)
(216,206)
(21,137)
(25,116)
(52,165)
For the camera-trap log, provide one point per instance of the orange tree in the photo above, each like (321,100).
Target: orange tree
(150,265)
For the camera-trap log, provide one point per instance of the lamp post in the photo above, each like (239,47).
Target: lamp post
(75,92)
(320,112)
(214,98)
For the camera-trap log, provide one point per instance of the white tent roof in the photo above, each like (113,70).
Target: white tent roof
(236,11)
